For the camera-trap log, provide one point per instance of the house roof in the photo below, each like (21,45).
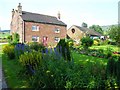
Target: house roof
(89,31)
(40,18)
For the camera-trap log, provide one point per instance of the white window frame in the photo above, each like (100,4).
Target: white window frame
(57,30)
(57,39)
(35,28)
(35,37)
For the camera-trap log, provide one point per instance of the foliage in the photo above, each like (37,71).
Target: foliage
(13,39)
(105,42)
(97,28)
(84,24)
(9,51)
(64,49)
(70,42)
(36,46)
(9,38)
(108,52)
(30,61)
(96,42)
(57,73)
(86,42)
(20,48)
(114,33)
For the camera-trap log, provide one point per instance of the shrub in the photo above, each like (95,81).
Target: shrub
(70,42)
(15,37)
(111,67)
(31,60)
(108,53)
(20,48)
(96,42)
(86,42)
(118,71)
(9,38)
(9,51)
(63,48)
(36,46)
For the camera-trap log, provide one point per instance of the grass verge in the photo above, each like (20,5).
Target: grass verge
(11,70)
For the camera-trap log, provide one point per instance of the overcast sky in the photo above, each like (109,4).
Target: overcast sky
(73,12)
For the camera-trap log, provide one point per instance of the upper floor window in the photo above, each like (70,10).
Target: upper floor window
(57,39)
(35,28)
(57,30)
(35,38)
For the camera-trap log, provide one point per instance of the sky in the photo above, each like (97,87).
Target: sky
(73,12)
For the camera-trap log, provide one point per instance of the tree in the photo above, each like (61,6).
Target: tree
(84,24)
(114,33)
(87,42)
(97,28)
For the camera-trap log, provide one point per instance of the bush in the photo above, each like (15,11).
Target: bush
(96,42)
(36,46)
(108,53)
(15,37)
(20,48)
(30,61)
(9,38)
(86,42)
(63,48)
(9,51)
(70,42)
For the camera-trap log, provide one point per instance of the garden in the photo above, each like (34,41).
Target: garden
(34,66)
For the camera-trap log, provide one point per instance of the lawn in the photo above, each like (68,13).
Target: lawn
(84,59)
(4,35)
(105,47)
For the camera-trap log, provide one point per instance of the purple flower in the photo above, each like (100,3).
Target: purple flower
(51,50)
(46,51)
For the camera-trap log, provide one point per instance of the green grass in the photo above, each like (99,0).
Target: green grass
(11,69)
(4,35)
(105,47)
(84,59)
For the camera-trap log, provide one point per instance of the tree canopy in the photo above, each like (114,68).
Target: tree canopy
(114,33)
(84,24)
(97,28)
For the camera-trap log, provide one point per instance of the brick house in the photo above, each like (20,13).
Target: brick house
(37,27)
(76,33)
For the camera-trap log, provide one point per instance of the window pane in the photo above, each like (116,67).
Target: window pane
(35,38)
(57,30)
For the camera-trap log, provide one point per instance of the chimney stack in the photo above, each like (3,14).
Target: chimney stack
(20,9)
(59,15)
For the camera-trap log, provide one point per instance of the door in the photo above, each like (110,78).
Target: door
(45,39)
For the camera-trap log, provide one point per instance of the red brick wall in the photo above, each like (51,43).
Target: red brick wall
(44,30)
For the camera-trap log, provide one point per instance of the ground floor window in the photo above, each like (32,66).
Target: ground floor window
(35,38)
(57,39)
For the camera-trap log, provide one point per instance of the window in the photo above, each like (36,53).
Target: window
(73,30)
(35,38)
(57,30)
(35,28)
(57,39)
